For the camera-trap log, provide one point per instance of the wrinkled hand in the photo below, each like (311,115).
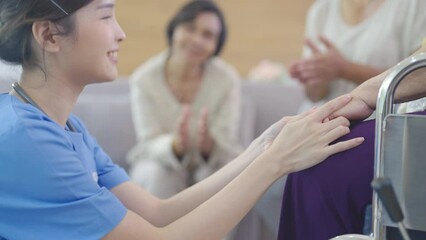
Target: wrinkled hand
(356,110)
(181,139)
(305,139)
(321,66)
(205,141)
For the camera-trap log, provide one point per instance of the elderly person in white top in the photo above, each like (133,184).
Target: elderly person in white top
(350,41)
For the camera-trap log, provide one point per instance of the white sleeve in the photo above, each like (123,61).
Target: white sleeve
(415,25)
(154,143)
(314,23)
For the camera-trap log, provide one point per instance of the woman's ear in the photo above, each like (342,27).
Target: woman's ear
(45,34)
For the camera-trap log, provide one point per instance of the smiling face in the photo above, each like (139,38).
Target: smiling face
(90,54)
(197,40)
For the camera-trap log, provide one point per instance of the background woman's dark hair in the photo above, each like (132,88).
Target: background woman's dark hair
(189,12)
(17,17)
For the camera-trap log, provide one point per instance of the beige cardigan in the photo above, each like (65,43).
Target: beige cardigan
(156,111)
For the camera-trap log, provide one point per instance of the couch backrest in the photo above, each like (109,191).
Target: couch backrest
(272,102)
(105,110)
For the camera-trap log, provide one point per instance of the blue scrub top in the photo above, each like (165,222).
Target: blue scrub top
(54,184)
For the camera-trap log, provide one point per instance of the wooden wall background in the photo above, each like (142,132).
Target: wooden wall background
(258,29)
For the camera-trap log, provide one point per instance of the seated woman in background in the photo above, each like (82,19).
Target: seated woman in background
(330,199)
(185,104)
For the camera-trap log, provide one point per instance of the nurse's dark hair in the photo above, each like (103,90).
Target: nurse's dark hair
(189,12)
(17,18)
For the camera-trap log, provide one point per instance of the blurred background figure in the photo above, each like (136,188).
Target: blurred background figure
(350,41)
(185,105)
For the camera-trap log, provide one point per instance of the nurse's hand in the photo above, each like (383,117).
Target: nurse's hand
(264,141)
(305,139)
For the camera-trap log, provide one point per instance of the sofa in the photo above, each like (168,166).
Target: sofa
(105,109)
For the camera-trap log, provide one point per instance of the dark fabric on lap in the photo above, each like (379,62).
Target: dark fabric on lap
(330,199)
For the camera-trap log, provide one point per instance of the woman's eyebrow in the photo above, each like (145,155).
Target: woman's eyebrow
(108,5)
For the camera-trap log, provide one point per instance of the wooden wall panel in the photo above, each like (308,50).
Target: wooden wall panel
(258,29)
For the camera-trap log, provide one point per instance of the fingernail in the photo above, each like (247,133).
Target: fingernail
(360,140)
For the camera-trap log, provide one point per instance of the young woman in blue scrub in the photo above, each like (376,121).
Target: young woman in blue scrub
(57,183)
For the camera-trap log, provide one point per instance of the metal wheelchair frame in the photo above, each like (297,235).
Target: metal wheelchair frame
(385,106)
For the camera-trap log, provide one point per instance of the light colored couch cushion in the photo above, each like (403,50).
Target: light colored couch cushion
(105,110)
(271,102)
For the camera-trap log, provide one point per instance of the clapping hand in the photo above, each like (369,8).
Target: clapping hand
(205,141)
(181,139)
(321,66)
